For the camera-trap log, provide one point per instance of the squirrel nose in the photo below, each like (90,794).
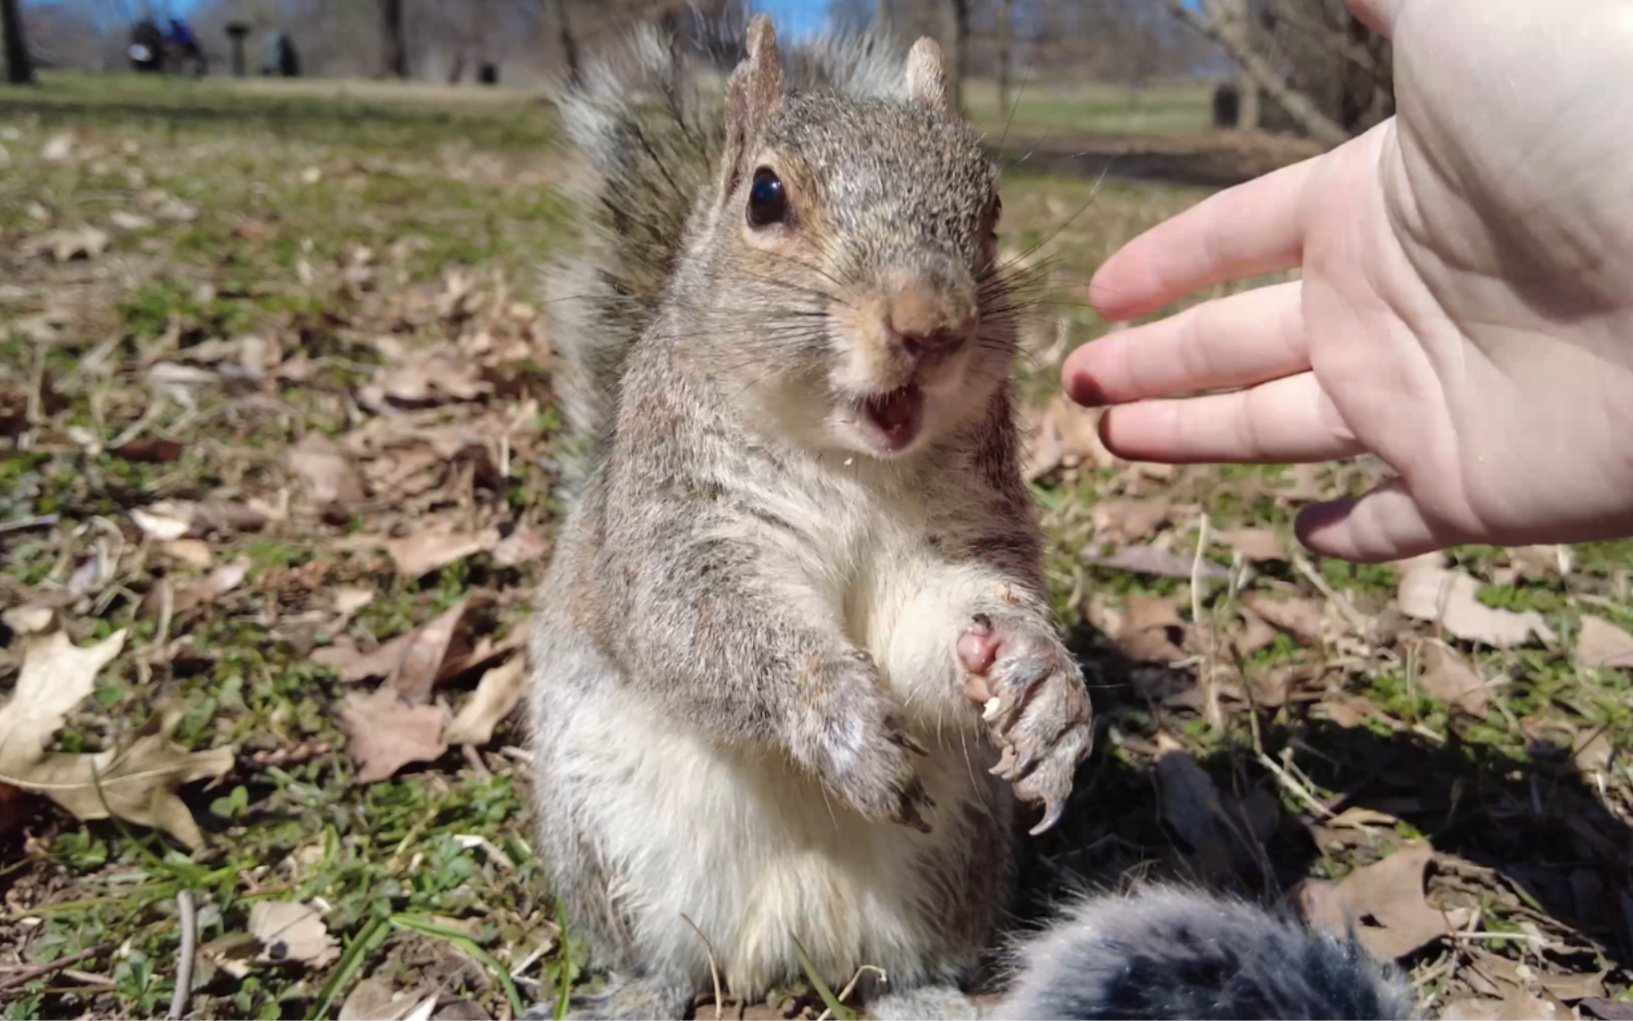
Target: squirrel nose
(925,321)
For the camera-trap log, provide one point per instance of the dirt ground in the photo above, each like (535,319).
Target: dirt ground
(276,464)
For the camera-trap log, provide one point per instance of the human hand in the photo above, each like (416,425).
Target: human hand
(1464,310)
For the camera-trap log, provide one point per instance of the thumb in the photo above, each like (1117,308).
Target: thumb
(1378,15)
(1383,524)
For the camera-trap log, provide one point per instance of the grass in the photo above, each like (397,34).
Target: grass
(346,233)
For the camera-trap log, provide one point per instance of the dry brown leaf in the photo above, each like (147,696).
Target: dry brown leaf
(56,676)
(495,697)
(521,546)
(1448,677)
(423,552)
(195,552)
(290,931)
(1256,634)
(1452,599)
(1143,612)
(136,782)
(376,999)
(29,619)
(1063,433)
(426,378)
(1385,901)
(1601,644)
(423,656)
(351,598)
(164,522)
(68,243)
(328,475)
(383,734)
(1154,561)
(1301,618)
(1126,520)
(148,451)
(1260,544)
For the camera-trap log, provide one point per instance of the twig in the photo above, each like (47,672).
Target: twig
(184,964)
(25,977)
(1346,609)
(1287,779)
(25,524)
(714,970)
(1210,695)
(86,978)
(850,987)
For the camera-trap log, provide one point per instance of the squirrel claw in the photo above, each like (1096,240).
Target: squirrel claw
(1052,811)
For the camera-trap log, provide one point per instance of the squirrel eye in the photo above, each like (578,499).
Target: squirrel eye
(767,200)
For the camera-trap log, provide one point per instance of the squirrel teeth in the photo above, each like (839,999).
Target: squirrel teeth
(897,416)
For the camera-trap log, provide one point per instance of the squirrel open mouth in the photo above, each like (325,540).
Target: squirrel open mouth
(895,417)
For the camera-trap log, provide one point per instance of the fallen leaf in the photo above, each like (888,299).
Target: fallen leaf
(328,475)
(58,147)
(68,243)
(1154,561)
(1573,987)
(1302,618)
(1385,901)
(1255,543)
(148,451)
(1128,520)
(376,999)
(521,546)
(128,221)
(29,619)
(163,522)
(1607,1010)
(1256,634)
(423,655)
(194,552)
(56,676)
(1601,644)
(1446,676)
(349,599)
(383,734)
(291,931)
(496,695)
(423,552)
(1063,433)
(1141,613)
(1452,599)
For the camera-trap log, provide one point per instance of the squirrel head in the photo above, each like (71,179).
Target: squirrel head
(852,250)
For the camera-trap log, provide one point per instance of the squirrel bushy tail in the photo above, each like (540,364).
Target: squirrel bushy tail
(1170,953)
(647,134)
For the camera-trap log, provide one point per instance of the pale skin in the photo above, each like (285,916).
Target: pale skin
(1464,307)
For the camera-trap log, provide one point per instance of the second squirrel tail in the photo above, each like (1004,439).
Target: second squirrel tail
(1170,953)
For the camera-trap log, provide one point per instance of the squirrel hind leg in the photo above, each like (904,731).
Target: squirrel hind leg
(625,998)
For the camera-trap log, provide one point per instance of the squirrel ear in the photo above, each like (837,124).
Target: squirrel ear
(927,76)
(754,94)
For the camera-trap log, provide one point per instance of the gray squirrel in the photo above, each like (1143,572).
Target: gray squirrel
(794,668)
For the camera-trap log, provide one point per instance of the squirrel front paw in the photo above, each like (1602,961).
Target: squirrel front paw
(1034,697)
(855,740)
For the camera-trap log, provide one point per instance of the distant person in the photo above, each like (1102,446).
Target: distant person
(147,45)
(279,59)
(186,46)
(1464,310)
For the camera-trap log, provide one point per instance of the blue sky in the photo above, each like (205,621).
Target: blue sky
(795,17)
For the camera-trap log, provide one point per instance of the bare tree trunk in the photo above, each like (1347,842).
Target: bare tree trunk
(392,39)
(1231,34)
(19,65)
(1006,43)
(555,12)
(961,48)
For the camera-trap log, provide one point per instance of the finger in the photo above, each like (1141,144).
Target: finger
(1250,229)
(1284,421)
(1237,341)
(1382,524)
(1378,15)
